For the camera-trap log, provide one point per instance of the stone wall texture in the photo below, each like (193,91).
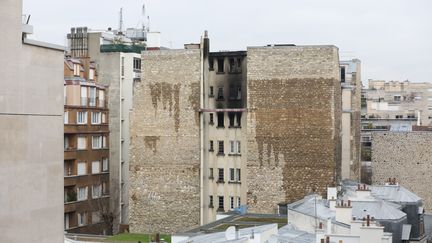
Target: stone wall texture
(165,149)
(406,156)
(293,124)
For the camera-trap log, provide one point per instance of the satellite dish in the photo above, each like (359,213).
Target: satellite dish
(230,233)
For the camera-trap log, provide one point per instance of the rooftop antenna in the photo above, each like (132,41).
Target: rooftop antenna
(121,21)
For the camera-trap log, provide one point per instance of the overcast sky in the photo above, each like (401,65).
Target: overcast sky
(392,38)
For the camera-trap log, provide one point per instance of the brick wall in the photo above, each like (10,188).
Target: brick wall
(406,156)
(165,149)
(293,125)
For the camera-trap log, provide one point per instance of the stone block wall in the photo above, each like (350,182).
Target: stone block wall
(406,156)
(165,146)
(293,124)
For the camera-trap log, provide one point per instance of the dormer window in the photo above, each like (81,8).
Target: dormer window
(76,69)
(91,74)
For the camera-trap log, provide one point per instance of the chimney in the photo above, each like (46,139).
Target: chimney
(329,226)
(368,220)
(344,213)
(363,192)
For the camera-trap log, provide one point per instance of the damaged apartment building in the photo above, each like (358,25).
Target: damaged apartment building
(212,132)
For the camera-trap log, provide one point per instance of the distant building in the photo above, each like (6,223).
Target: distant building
(392,106)
(351,95)
(118,61)
(86,157)
(406,156)
(31,128)
(212,131)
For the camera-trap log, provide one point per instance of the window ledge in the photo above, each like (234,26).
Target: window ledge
(211,206)
(220,154)
(211,150)
(220,99)
(220,181)
(211,177)
(220,127)
(234,182)
(220,210)
(218,72)
(234,127)
(211,96)
(211,123)
(234,154)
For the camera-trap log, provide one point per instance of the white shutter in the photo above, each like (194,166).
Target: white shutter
(95,167)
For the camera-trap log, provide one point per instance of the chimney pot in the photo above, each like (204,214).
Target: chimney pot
(368,220)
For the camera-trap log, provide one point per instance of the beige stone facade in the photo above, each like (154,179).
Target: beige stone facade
(406,156)
(293,125)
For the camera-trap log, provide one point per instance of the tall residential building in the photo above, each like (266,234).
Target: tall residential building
(86,156)
(214,131)
(351,96)
(118,61)
(31,128)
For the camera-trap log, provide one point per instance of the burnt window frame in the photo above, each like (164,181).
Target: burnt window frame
(221,149)
(211,64)
(221,65)
(220,120)
(211,118)
(220,94)
(221,175)
(211,146)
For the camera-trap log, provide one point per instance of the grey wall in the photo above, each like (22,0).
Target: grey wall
(31,128)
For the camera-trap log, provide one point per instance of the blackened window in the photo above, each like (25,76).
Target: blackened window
(220,65)
(231,117)
(220,174)
(211,145)
(232,67)
(220,117)
(211,201)
(342,74)
(211,173)
(220,147)
(239,92)
(211,64)
(220,93)
(238,117)
(211,119)
(211,91)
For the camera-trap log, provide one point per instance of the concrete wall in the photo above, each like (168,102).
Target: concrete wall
(294,120)
(407,157)
(165,144)
(31,124)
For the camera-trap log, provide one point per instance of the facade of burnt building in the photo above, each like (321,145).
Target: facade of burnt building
(86,156)
(213,131)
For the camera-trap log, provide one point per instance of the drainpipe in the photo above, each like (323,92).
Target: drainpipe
(201,130)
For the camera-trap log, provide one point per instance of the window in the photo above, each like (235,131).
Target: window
(238,202)
(411,116)
(82,193)
(96,191)
(101,98)
(342,70)
(66,221)
(239,93)
(92,96)
(397,98)
(211,94)
(211,64)
(220,93)
(137,64)
(211,122)
(221,175)
(104,118)
(68,168)
(238,175)
(231,117)
(231,202)
(220,147)
(105,164)
(76,69)
(95,217)
(82,143)
(232,174)
(232,67)
(104,142)
(82,168)
(83,96)
(82,219)
(238,116)
(220,62)
(105,188)
(221,203)
(96,167)
(211,173)
(220,118)
(82,117)
(66,143)
(211,146)
(210,201)
(66,117)
(399,116)
(91,74)
(96,118)
(96,142)
(234,147)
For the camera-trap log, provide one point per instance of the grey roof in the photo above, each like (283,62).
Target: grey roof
(289,234)
(307,206)
(377,209)
(393,193)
